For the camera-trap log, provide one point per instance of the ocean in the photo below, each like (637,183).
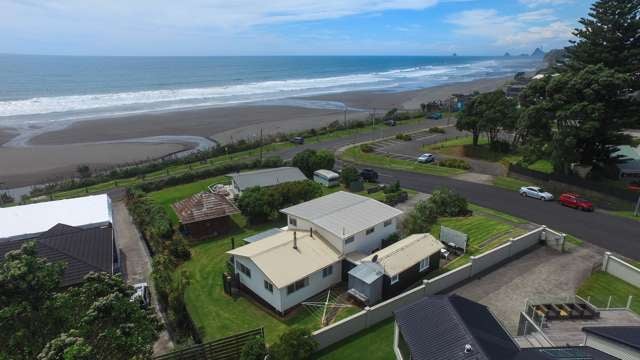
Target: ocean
(45,89)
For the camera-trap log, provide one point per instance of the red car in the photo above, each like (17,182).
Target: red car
(575,201)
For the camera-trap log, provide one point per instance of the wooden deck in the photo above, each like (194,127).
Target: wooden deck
(569,332)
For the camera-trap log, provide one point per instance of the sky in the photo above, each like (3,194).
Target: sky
(286,27)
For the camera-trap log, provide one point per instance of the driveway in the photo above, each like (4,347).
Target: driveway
(542,272)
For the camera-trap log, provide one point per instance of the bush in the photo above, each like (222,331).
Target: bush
(455,164)
(395,187)
(254,349)
(420,219)
(403,137)
(295,344)
(260,204)
(436,130)
(310,160)
(395,198)
(348,175)
(366,148)
(448,203)
(501,146)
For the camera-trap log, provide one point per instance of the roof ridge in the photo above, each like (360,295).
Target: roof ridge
(51,246)
(358,197)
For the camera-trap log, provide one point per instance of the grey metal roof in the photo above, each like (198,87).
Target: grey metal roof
(327,174)
(267,177)
(626,335)
(343,213)
(439,328)
(368,272)
(563,353)
(263,235)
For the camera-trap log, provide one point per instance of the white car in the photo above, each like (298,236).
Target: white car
(535,192)
(141,295)
(426,158)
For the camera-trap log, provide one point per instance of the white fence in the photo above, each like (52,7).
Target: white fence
(621,269)
(372,315)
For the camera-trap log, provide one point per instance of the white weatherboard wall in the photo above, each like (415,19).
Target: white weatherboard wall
(612,348)
(384,310)
(256,282)
(316,285)
(621,269)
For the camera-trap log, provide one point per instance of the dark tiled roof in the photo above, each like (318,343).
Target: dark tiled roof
(439,327)
(627,335)
(563,353)
(203,206)
(82,250)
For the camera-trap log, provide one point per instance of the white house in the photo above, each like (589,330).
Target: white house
(287,267)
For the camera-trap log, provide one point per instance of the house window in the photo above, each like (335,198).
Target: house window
(268,286)
(424,264)
(388,222)
(245,270)
(300,284)
(348,240)
(395,279)
(293,222)
(370,231)
(327,271)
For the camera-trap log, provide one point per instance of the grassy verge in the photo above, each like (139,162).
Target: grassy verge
(601,285)
(625,213)
(509,183)
(375,343)
(354,154)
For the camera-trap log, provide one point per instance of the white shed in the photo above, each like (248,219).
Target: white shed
(326,178)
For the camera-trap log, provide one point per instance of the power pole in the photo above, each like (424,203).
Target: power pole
(637,210)
(260,145)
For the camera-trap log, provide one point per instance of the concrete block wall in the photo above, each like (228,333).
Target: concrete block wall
(493,257)
(621,269)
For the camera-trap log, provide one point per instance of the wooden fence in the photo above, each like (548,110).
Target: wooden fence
(228,348)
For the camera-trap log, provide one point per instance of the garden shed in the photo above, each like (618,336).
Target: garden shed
(205,214)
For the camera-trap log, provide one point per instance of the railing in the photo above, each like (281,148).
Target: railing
(228,348)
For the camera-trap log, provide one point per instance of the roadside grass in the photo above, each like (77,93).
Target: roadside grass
(374,343)
(339,134)
(625,213)
(498,214)
(573,240)
(601,285)
(509,183)
(354,154)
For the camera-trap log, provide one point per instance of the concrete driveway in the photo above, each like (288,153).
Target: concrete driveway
(542,272)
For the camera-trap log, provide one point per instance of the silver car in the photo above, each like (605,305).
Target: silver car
(426,158)
(536,192)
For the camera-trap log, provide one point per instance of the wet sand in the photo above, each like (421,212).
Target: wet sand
(57,153)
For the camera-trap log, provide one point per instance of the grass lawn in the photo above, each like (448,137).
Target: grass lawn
(625,213)
(355,155)
(600,285)
(375,343)
(509,183)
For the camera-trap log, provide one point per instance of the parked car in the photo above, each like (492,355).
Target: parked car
(435,116)
(390,122)
(369,175)
(141,295)
(426,158)
(575,201)
(297,140)
(536,192)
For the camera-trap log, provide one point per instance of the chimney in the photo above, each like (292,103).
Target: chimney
(375,258)
(295,241)
(468,349)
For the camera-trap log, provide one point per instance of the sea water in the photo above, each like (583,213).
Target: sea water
(45,89)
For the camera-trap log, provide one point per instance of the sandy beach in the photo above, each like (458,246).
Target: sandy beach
(56,154)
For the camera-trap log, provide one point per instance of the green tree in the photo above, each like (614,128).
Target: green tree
(310,160)
(254,349)
(490,113)
(294,344)
(348,175)
(447,202)
(256,204)
(84,171)
(420,219)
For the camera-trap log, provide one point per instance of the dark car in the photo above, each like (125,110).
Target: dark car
(297,140)
(575,201)
(390,122)
(369,175)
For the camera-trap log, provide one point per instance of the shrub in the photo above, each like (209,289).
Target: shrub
(436,130)
(446,202)
(295,344)
(348,175)
(254,349)
(395,198)
(403,137)
(420,219)
(395,187)
(310,160)
(501,146)
(455,164)
(261,204)
(366,148)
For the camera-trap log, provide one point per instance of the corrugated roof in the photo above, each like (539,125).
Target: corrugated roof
(82,250)
(439,327)
(326,173)
(342,213)
(267,177)
(204,206)
(367,272)
(33,219)
(263,235)
(281,263)
(405,253)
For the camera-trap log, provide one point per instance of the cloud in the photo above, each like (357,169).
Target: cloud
(536,3)
(519,30)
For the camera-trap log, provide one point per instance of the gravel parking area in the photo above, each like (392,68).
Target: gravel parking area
(542,272)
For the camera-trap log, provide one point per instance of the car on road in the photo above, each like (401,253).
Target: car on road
(141,295)
(297,140)
(390,122)
(426,158)
(535,192)
(435,116)
(575,201)
(369,175)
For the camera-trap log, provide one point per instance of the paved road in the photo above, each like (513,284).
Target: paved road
(610,232)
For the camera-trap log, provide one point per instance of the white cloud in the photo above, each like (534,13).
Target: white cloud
(522,30)
(536,3)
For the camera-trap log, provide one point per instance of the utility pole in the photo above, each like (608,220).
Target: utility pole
(637,210)
(260,145)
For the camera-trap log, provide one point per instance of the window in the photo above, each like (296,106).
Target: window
(370,231)
(395,279)
(388,222)
(297,286)
(348,240)
(327,271)
(268,286)
(293,222)
(245,270)
(424,264)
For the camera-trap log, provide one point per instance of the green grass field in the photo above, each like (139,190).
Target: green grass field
(354,154)
(601,285)
(375,343)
